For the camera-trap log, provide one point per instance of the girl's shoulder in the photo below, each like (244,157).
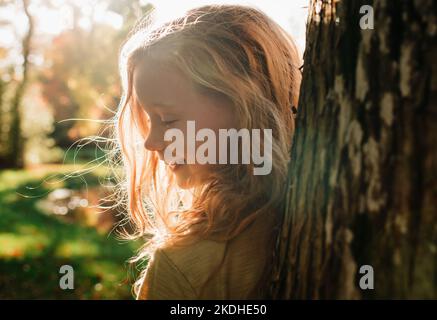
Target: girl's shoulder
(209,268)
(205,258)
(196,261)
(179,272)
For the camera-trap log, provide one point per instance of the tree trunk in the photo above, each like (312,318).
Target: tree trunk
(362,176)
(14,157)
(2,93)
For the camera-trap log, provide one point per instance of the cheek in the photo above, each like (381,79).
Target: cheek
(214,114)
(218,120)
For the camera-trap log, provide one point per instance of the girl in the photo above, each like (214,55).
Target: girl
(210,229)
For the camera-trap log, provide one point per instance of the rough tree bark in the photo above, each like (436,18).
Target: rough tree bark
(362,188)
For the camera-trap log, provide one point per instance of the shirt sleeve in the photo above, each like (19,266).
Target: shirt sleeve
(164,281)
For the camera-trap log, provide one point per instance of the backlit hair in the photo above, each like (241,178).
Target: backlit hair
(232,51)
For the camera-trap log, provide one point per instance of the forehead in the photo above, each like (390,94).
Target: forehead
(156,82)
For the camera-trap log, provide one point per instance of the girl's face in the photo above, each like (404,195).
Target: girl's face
(170,100)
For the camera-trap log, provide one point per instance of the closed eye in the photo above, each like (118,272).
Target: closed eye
(169,122)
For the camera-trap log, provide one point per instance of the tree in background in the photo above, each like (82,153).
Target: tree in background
(13,157)
(82,81)
(77,79)
(363,164)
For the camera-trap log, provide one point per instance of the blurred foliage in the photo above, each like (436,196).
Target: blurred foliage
(73,75)
(81,80)
(72,81)
(33,245)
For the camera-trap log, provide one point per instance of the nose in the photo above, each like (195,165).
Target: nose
(154,141)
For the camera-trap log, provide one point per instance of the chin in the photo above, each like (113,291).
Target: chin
(189,176)
(183,183)
(184,186)
(183,179)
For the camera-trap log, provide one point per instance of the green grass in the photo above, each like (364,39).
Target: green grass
(34,245)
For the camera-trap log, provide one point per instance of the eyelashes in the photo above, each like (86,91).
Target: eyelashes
(168,122)
(161,121)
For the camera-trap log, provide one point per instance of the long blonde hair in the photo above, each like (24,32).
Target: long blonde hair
(232,51)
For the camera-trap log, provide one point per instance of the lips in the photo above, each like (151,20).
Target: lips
(173,165)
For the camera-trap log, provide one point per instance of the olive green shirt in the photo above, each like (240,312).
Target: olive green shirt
(209,269)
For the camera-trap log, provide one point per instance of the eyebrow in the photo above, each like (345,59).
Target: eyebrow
(158,104)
